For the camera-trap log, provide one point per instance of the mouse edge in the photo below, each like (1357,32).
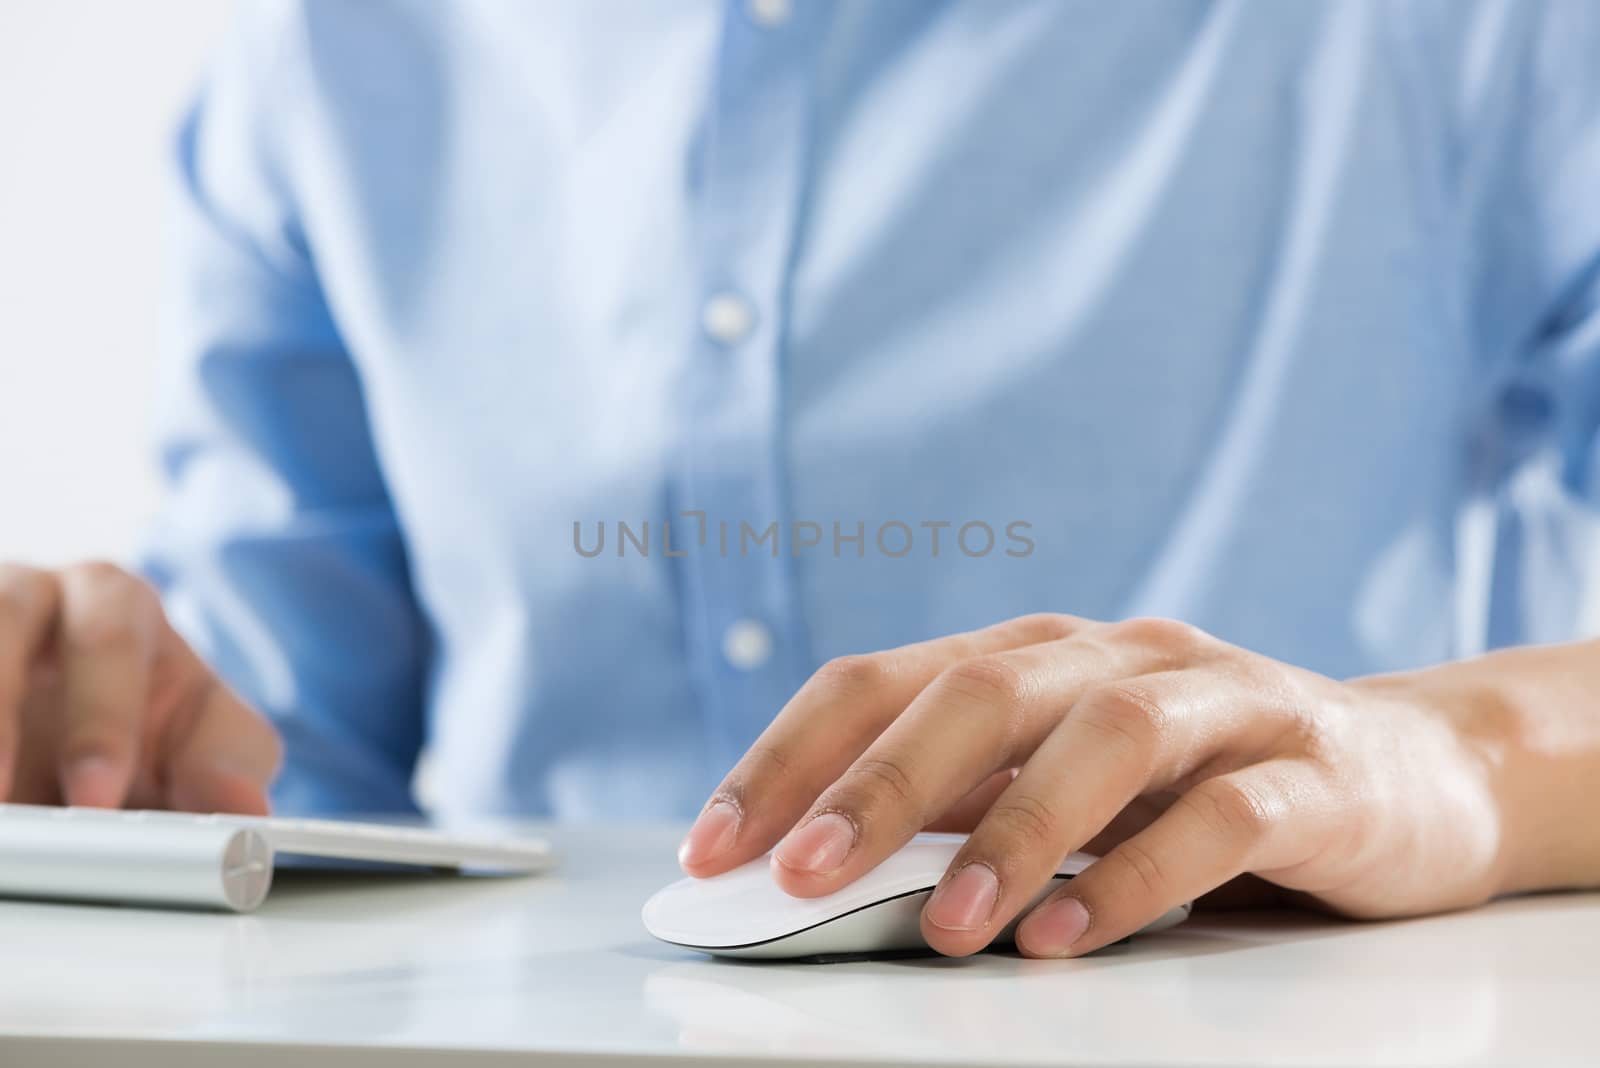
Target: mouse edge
(734,947)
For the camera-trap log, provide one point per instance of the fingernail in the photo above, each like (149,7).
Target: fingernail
(92,781)
(712,834)
(966,902)
(1053,927)
(820,846)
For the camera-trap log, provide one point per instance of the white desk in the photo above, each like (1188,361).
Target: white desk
(364,971)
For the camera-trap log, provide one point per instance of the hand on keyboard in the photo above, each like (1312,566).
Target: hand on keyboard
(103,704)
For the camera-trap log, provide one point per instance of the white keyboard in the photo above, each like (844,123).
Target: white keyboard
(185,860)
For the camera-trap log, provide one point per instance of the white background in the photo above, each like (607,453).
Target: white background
(90,92)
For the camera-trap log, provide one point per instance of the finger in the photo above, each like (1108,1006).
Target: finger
(1248,820)
(227,763)
(215,753)
(824,727)
(105,640)
(28,602)
(1118,742)
(982,714)
(964,815)
(1140,813)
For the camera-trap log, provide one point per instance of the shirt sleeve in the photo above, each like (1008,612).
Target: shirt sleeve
(277,549)
(1534,171)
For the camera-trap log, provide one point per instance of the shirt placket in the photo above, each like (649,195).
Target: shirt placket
(745,634)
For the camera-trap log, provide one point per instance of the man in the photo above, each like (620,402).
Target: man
(558,387)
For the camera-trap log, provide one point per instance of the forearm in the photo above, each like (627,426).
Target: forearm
(1532,716)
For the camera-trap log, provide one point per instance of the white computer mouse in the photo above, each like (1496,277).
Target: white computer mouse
(743,913)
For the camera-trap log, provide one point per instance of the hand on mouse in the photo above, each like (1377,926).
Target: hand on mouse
(1182,759)
(103,704)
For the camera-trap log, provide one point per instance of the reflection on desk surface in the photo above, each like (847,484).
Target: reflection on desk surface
(561,962)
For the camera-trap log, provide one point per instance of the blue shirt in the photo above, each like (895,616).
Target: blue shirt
(1278,318)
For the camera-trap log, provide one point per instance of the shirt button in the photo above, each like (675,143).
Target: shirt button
(769,13)
(728,318)
(747,644)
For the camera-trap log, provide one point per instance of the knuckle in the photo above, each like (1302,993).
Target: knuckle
(1230,809)
(1023,819)
(27,596)
(17,587)
(16,575)
(1045,626)
(1157,632)
(1142,867)
(101,629)
(98,574)
(101,580)
(106,607)
(855,674)
(987,680)
(880,777)
(1127,714)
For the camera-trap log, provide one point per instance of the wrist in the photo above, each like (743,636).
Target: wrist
(1524,722)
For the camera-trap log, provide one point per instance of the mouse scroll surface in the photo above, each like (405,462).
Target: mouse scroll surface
(743,913)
